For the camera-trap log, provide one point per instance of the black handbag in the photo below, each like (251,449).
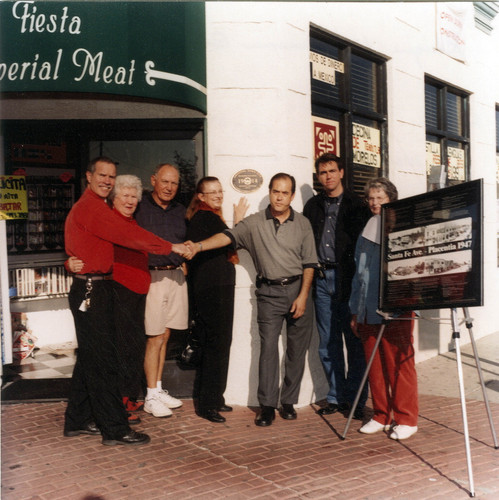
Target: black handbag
(191,355)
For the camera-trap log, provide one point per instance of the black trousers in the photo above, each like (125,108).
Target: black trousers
(129,310)
(94,393)
(214,312)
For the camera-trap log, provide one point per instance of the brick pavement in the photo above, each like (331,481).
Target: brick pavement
(191,458)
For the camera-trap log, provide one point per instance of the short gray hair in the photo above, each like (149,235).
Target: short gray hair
(382,183)
(127,181)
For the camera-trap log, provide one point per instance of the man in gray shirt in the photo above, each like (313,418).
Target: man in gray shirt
(281,244)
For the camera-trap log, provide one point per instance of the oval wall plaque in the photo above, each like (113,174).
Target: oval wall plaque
(247,181)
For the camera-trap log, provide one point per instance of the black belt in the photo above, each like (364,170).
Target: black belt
(281,281)
(329,265)
(163,268)
(94,277)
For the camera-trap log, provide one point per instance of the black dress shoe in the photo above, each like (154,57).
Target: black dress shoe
(131,438)
(344,407)
(90,428)
(212,416)
(358,414)
(329,409)
(225,408)
(287,412)
(265,417)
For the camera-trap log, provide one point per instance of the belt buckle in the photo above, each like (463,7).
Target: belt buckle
(284,281)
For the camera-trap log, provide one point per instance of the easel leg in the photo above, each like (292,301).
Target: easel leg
(456,336)
(363,382)
(469,326)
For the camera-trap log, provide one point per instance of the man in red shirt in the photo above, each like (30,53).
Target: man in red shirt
(95,405)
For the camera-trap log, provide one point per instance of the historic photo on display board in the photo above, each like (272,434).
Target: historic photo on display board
(432,250)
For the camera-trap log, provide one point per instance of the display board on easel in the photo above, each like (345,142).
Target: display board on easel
(431,250)
(432,258)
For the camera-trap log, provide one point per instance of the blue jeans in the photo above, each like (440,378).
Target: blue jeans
(333,324)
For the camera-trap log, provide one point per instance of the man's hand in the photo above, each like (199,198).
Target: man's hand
(240,209)
(193,247)
(300,303)
(74,264)
(182,250)
(218,240)
(298,306)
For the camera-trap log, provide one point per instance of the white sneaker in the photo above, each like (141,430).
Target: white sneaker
(168,400)
(157,407)
(372,427)
(403,431)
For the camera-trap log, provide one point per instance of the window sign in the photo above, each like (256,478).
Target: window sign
(326,136)
(13,199)
(148,49)
(447,119)
(324,68)
(456,164)
(434,164)
(366,145)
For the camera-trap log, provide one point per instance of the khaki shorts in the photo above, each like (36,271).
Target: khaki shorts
(167,304)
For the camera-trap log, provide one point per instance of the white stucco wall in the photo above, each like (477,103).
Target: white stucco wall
(259,109)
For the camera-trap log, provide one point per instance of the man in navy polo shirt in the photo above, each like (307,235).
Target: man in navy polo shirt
(167,303)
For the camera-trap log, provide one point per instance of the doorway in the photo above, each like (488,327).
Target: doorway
(137,146)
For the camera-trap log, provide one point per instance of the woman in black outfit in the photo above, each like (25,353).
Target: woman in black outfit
(211,285)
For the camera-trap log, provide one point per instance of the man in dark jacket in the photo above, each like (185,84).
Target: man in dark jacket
(337,217)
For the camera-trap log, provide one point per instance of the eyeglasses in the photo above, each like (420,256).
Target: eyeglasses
(378,199)
(213,193)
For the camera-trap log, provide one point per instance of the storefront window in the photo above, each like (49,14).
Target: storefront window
(52,156)
(140,158)
(348,86)
(447,135)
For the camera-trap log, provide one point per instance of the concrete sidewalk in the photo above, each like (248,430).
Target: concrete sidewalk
(191,458)
(439,376)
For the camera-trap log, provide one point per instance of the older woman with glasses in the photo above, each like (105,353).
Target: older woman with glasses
(211,286)
(392,377)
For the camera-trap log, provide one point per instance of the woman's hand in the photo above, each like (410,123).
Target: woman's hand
(240,209)
(182,250)
(193,248)
(353,325)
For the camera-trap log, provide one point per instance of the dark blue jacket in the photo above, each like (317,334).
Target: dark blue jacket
(352,218)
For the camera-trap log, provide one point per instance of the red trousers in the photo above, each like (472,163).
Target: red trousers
(392,377)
